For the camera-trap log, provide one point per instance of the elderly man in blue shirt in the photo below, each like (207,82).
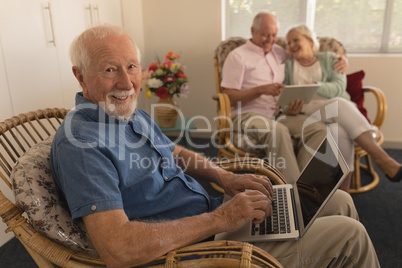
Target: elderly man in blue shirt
(118,174)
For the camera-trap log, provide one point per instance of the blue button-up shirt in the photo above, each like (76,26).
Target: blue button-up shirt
(103,163)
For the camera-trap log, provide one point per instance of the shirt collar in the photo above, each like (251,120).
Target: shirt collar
(253,47)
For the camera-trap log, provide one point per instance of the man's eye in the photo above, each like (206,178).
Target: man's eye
(132,68)
(109,72)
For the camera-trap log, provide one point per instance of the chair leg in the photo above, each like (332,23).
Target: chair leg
(356,186)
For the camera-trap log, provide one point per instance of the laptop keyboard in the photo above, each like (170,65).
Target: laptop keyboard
(278,223)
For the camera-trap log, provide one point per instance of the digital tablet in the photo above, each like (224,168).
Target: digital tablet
(297,92)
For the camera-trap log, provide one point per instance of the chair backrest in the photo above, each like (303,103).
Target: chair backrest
(19,133)
(221,52)
(24,138)
(24,158)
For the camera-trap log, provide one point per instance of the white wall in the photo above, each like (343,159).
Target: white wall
(384,72)
(190,28)
(193,29)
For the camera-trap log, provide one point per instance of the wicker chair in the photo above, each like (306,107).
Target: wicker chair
(232,145)
(20,134)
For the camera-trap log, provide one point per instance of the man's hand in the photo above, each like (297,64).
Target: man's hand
(295,107)
(273,89)
(237,183)
(342,65)
(244,207)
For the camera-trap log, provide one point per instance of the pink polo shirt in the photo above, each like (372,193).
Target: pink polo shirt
(248,66)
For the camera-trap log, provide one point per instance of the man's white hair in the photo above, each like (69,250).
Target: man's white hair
(79,54)
(257,20)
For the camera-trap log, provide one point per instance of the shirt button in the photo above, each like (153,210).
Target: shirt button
(93,207)
(166,177)
(159,139)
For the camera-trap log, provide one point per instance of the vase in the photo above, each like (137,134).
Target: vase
(166,112)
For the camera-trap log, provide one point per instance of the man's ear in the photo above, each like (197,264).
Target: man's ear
(78,75)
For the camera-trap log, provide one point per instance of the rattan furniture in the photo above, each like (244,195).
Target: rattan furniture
(228,141)
(20,134)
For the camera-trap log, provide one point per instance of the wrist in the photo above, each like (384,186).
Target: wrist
(224,176)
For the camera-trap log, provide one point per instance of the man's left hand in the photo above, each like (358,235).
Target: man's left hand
(241,182)
(342,65)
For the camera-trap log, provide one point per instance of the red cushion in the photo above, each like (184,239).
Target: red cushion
(354,86)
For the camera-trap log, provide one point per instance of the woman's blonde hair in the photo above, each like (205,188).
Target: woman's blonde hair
(306,32)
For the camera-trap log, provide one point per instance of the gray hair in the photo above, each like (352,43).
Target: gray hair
(308,33)
(257,20)
(79,54)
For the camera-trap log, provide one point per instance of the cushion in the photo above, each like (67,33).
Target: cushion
(354,86)
(331,44)
(38,195)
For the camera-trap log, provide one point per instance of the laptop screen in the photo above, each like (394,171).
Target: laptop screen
(317,181)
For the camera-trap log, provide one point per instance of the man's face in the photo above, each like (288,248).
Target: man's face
(266,36)
(113,78)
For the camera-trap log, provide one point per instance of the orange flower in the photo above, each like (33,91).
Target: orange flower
(170,55)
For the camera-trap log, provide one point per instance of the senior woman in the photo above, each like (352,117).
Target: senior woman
(344,120)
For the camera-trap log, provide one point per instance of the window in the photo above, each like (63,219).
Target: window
(363,26)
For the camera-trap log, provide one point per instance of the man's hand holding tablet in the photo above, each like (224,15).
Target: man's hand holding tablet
(297,93)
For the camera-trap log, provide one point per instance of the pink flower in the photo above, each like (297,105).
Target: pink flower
(167,63)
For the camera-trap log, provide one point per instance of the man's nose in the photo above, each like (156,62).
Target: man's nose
(124,81)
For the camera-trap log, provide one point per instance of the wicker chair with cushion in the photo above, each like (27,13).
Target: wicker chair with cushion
(48,232)
(237,144)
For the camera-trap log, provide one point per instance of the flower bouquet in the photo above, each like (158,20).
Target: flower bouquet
(165,78)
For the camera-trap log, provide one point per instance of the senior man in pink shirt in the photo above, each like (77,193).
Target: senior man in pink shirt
(252,77)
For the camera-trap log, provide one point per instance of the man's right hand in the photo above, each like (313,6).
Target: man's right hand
(251,205)
(273,89)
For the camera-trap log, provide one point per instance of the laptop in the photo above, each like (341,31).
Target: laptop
(297,92)
(296,206)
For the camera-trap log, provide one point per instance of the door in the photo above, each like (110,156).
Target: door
(30,54)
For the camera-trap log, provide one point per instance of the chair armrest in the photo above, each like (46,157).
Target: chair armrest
(220,253)
(381,104)
(253,165)
(224,116)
